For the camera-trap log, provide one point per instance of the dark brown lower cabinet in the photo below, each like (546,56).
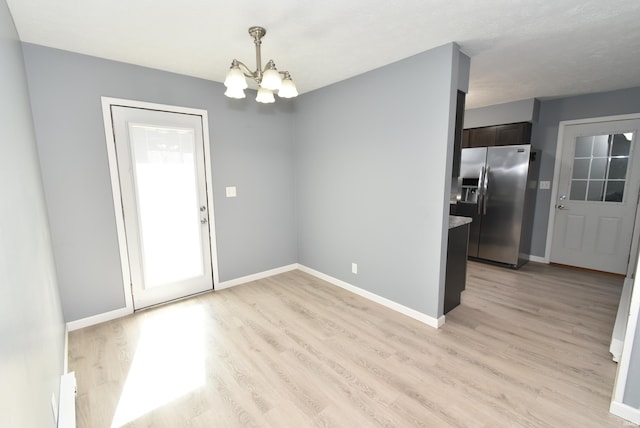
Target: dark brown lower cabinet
(456,273)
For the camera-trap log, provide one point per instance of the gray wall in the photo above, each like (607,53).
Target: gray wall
(544,137)
(373,157)
(31,325)
(500,114)
(250,149)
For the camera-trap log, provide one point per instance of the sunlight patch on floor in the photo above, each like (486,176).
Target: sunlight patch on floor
(168,363)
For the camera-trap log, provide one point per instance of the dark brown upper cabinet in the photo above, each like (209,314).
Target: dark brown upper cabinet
(499,135)
(483,137)
(457,142)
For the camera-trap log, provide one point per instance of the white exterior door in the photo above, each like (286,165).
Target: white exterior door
(597,196)
(161,169)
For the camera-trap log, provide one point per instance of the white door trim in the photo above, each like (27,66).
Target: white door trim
(107,102)
(556,171)
(617,401)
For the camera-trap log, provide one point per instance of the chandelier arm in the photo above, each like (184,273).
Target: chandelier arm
(246,71)
(267,65)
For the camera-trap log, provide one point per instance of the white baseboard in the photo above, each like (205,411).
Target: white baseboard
(615,349)
(622,317)
(626,412)
(537,259)
(412,313)
(255,277)
(108,316)
(97,319)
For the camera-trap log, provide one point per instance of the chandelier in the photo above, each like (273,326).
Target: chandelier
(269,79)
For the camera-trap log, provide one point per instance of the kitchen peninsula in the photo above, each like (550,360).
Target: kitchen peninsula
(456,273)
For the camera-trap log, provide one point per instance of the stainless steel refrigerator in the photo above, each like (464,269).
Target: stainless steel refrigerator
(497,189)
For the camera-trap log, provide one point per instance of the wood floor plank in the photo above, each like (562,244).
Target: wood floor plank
(526,348)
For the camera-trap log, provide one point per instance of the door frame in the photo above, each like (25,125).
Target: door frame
(618,407)
(556,176)
(107,102)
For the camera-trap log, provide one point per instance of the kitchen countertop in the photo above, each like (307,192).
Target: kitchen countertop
(457,221)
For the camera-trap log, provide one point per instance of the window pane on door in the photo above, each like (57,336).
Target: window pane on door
(578,190)
(165,180)
(581,169)
(600,167)
(615,191)
(584,146)
(618,169)
(600,145)
(596,187)
(621,144)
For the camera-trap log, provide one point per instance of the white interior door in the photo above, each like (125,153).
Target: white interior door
(597,196)
(161,170)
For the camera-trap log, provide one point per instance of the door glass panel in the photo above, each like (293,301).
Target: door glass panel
(581,169)
(166,191)
(615,191)
(600,167)
(596,188)
(621,144)
(578,190)
(600,146)
(583,147)
(618,168)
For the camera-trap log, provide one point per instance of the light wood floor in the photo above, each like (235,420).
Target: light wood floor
(526,348)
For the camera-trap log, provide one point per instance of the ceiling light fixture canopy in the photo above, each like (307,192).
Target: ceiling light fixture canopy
(269,79)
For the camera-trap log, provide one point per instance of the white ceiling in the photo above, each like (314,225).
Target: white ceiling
(518,49)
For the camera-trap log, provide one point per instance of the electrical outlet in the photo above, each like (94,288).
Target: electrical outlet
(54,407)
(354,268)
(231,192)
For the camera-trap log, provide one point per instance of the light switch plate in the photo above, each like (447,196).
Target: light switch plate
(545,185)
(231,191)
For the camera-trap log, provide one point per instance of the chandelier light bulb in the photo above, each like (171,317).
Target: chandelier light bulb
(288,89)
(271,78)
(236,93)
(265,96)
(235,78)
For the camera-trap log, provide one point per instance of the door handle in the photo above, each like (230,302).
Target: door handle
(480,191)
(485,198)
(203,220)
(561,207)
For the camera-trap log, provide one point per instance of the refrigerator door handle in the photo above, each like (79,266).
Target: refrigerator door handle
(485,190)
(481,191)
